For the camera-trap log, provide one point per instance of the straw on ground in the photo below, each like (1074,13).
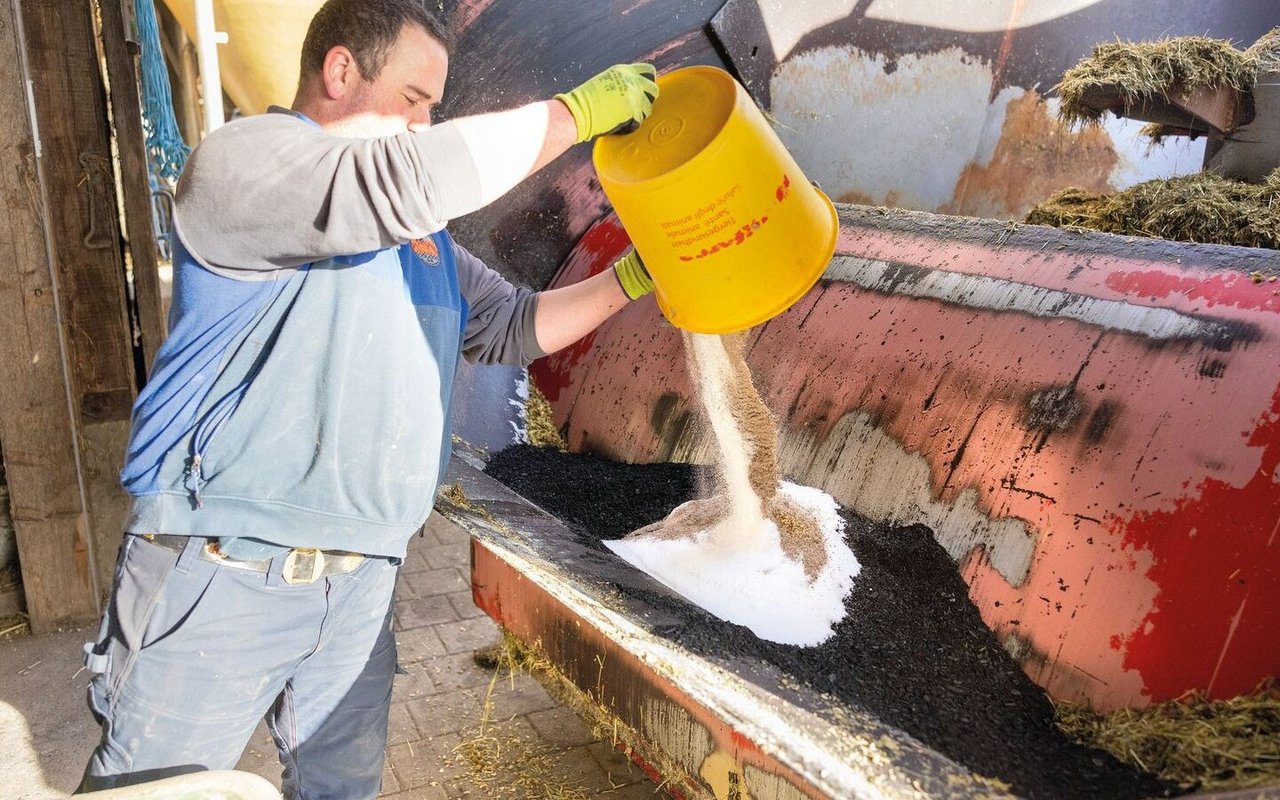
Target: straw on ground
(1193,741)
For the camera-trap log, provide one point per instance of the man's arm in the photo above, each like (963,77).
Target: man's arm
(510,325)
(567,314)
(509,159)
(274,192)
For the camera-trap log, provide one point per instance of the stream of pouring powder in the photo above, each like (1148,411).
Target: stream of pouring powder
(766,555)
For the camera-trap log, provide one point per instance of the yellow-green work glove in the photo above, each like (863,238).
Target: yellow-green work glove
(615,101)
(633,276)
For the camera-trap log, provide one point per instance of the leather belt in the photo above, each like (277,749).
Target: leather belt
(301,564)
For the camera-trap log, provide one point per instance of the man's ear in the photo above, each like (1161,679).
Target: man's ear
(340,72)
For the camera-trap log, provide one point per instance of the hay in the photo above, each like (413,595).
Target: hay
(1143,70)
(540,424)
(454,494)
(1266,51)
(1193,741)
(590,705)
(14,626)
(1204,208)
(1157,132)
(501,759)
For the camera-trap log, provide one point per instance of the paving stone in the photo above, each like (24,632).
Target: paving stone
(439,698)
(578,765)
(419,612)
(643,790)
(414,561)
(468,635)
(423,793)
(517,728)
(620,769)
(561,727)
(445,531)
(448,580)
(423,763)
(455,554)
(515,697)
(464,605)
(400,725)
(389,783)
(457,671)
(261,757)
(447,712)
(416,683)
(418,644)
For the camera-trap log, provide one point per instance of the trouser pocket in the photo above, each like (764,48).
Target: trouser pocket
(142,569)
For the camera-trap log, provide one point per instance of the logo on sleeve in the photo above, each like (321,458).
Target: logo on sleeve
(427,250)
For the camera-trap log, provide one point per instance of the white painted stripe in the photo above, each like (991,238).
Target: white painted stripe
(999,294)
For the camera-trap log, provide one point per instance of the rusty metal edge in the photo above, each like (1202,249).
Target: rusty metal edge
(518,553)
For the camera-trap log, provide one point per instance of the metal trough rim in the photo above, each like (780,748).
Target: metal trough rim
(765,730)
(518,551)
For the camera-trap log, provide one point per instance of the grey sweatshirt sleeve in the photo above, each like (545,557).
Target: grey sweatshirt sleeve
(499,326)
(273,192)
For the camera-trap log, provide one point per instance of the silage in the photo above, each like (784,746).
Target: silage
(1193,741)
(1205,208)
(1265,52)
(540,423)
(1144,70)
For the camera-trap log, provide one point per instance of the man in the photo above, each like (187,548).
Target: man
(297,423)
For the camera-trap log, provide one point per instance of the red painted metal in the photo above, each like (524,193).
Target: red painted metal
(1089,423)
(616,679)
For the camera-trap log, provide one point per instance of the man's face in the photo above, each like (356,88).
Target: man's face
(400,99)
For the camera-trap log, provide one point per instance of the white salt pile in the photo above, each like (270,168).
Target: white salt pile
(766,555)
(756,584)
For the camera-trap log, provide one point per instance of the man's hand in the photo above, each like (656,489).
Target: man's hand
(633,276)
(615,101)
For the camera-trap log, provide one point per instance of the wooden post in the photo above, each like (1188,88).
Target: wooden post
(37,425)
(67,378)
(126,113)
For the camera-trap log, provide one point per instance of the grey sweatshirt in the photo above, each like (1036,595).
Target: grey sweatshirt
(303,395)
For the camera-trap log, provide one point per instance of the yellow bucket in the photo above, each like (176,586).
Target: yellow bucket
(728,226)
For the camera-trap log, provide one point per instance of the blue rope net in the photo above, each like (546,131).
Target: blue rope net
(166,150)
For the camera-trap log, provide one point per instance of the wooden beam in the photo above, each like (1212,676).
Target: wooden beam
(37,425)
(126,112)
(61,42)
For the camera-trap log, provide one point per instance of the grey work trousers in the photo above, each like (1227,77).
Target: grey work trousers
(192,653)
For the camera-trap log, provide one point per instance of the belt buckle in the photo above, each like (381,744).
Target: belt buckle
(303,565)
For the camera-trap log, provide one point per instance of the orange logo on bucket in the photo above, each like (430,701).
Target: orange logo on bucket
(427,251)
(746,231)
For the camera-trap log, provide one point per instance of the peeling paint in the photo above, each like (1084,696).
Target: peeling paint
(843,145)
(873,474)
(1034,156)
(905,393)
(723,774)
(1052,409)
(767,786)
(671,728)
(1237,608)
(786,28)
(993,156)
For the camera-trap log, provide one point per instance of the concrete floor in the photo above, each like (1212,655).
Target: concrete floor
(46,733)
